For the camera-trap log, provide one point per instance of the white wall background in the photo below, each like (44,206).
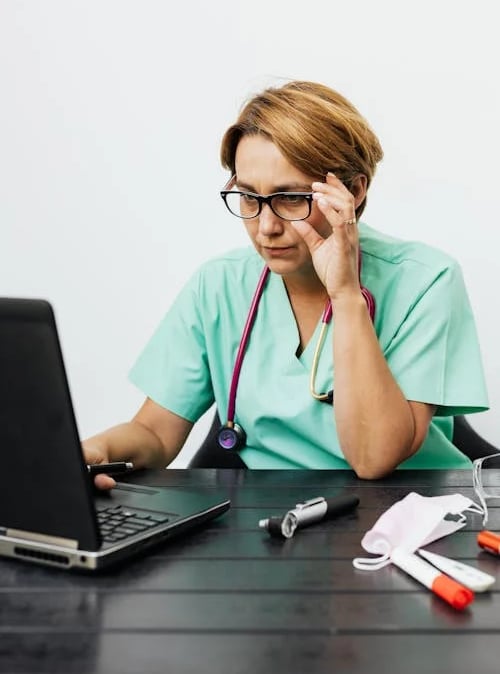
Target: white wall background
(111,114)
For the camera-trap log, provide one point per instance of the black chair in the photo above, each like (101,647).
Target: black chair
(211,455)
(469,442)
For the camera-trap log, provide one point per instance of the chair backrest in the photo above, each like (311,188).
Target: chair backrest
(468,441)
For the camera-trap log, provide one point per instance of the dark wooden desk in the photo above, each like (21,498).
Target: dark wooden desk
(231,599)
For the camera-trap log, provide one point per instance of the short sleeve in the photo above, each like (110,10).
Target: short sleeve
(435,355)
(173,367)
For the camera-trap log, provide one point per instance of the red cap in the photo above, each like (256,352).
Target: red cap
(455,594)
(489,541)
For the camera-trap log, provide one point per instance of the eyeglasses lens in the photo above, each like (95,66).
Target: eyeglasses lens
(287,206)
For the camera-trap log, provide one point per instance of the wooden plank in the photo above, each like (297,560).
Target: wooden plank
(157,573)
(248,653)
(288,479)
(258,612)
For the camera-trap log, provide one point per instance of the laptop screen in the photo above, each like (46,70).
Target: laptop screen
(44,486)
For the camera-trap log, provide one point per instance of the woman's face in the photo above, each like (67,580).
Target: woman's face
(262,169)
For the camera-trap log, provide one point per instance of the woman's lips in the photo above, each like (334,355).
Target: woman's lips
(277,251)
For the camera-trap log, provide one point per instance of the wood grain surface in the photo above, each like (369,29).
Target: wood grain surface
(229,598)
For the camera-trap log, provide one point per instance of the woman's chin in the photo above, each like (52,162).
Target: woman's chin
(281,267)
(286,265)
(278,259)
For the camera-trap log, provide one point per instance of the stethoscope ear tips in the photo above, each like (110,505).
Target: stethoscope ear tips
(232,438)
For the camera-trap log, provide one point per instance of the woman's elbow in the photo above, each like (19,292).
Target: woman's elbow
(375,466)
(372,472)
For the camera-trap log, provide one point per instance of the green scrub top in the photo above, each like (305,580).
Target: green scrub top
(424,325)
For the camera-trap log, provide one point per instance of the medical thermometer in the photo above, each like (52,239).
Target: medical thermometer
(463,573)
(454,593)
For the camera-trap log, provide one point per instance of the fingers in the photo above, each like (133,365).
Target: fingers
(335,201)
(94,455)
(338,206)
(104,482)
(311,237)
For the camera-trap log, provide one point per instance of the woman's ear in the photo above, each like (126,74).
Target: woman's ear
(358,187)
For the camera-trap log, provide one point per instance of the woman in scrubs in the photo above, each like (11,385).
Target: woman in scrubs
(398,359)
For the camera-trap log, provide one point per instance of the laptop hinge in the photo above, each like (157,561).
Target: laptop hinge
(42,538)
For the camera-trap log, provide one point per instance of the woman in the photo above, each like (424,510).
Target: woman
(399,356)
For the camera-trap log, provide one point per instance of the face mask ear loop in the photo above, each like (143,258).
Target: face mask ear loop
(371,563)
(475,508)
(478,488)
(480,509)
(476,474)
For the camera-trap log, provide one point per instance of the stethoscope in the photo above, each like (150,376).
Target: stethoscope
(231,435)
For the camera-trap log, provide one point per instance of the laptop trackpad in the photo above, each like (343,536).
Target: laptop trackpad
(133,496)
(122,486)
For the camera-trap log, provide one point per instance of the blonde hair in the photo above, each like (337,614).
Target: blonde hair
(314,127)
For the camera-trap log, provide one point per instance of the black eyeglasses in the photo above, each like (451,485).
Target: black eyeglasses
(286,205)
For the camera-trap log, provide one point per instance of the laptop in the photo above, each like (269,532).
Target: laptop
(50,512)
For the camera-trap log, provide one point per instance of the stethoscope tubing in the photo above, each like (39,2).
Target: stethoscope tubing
(252,313)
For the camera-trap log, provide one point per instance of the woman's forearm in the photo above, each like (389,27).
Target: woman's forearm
(130,441)
(152,439)
(375,423)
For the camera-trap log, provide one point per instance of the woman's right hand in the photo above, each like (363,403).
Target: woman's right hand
(94,454)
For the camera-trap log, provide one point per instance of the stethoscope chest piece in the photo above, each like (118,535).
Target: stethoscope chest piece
(231,437)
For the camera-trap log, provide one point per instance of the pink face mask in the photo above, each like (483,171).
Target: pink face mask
(412,523)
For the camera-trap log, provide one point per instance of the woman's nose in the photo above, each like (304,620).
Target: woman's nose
(269,222)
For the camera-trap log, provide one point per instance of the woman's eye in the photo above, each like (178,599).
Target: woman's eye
(248,198)
(291,199)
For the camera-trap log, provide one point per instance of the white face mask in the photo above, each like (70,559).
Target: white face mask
(412,523)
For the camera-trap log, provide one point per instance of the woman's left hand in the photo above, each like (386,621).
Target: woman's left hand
(335,258)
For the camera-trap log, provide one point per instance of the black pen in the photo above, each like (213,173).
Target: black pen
(307,513)
(110,468)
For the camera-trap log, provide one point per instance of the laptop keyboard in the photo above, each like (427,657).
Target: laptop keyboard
(119,522)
